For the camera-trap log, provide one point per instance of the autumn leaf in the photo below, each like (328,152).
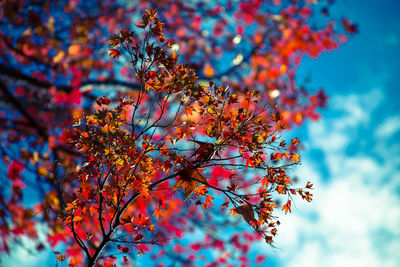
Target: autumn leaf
(207,202)
(77,218)
(179,133)
(295,141)
(59,256)
(260,259)
(247,213)
(188,180)
(60,55)
(277,116)
(14,170)
(114,53)
(74,49)
(281,189)
(295,158)
(42,171)
(158,213)
(201,190)
(286,207)
(208,70)
(92,210)
(250,161)
(348,26)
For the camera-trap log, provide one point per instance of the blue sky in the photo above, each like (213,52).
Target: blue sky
(352,155)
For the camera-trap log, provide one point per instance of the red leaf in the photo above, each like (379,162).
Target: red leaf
(114,53)
(14,170)
(260,259)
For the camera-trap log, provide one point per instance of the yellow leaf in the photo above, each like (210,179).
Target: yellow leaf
(211,109)
(120,163)
(35,156)
(59,56)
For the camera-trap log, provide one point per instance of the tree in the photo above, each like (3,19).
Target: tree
(161,147)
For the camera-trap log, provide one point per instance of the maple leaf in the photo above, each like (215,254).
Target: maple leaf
(158,213)
(208,202)
(114,53)
(14,170)
(281,189)
(250,161)
(287,206)
(188,179)
(201,190)
(277,116)
(247,213)
(205,152)
(295,141)
(295,158)
(179,134)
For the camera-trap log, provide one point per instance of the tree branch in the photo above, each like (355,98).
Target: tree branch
(32,121)
(16,74)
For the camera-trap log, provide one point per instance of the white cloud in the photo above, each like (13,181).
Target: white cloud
(388,127)
(25,255)
(355,216)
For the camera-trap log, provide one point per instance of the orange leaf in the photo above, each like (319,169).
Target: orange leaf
(92,210)
(250,161)
(209,199)
(74,49)
(295,158)
(78,218)
(295,141)
(279,156)
(208,70)
(158,213)
(42,171)
(287,206)
(60,55)
(281,190)
(201,190)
